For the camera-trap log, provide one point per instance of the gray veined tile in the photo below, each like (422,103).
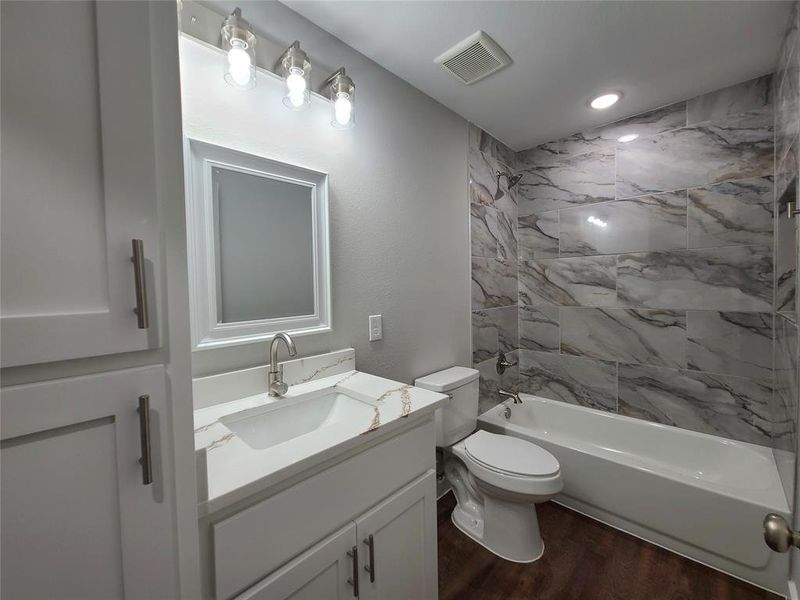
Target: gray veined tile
(483,163)
(506,237)
(484,336)
(494,283)
(540,156)
(738,147)
(784,401)
(731,407)
(583,179)
(733,343)
(483,228)
(656,222)
(582,381)
(750,95)
(655,337)
(787,386)
(733,212)
(605,138)
(786,253)
(538,234)
(490,381)
(584,281)
(734,278)
(538,328)
(493,330)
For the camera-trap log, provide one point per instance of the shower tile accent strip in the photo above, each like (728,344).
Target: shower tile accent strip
(648,274)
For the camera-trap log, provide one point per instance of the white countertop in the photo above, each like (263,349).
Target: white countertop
(235,470)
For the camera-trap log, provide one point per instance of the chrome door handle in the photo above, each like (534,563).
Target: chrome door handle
(144,439)
(791,210)
(142,316)
(778,535)
(370,568)
(354,579)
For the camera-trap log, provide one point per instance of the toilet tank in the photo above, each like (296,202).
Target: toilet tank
(459,417)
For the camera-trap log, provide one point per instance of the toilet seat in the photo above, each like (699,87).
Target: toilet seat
(505,454)
(492,460)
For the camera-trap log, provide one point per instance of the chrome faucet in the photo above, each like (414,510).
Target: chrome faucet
(515,396)
(275,384)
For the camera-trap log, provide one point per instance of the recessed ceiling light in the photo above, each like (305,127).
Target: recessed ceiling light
(605,101)
(628,138)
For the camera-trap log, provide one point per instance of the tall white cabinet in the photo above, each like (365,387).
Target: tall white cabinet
(90,159)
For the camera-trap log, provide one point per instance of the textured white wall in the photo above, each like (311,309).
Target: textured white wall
(398,196)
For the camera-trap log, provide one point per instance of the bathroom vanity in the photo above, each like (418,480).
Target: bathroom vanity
(328,491)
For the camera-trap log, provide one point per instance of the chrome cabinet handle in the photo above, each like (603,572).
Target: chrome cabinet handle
(778,535)
(137,259)
(354,579)
(370,568)
(144,439)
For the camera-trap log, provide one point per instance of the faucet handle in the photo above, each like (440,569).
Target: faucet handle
(503,363)
(275,383)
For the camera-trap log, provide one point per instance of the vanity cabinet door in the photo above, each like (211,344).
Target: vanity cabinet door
(401,532)
(78,520)
(325,572)
(80,180)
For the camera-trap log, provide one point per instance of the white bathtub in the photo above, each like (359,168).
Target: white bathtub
(699,495)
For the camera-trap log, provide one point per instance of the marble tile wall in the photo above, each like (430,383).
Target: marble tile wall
(786,89)
(493,224)
(646,275)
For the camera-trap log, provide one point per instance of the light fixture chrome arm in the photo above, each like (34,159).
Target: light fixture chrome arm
(276,387)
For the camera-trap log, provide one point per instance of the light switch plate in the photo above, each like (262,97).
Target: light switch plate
(375,328)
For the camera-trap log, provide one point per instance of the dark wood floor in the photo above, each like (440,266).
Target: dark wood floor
(583,560)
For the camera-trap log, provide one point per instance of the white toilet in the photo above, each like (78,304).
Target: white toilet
(497,479)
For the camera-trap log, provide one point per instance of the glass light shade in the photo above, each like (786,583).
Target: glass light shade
(296,70)
(239,44)
(343,97)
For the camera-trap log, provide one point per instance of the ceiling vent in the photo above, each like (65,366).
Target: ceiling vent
(473,58)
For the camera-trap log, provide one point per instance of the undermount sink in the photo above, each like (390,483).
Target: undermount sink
(292,418)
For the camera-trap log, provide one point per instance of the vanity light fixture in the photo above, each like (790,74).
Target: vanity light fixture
(605,100)
(295,67)
(239,44)
(627,138)
(342,94)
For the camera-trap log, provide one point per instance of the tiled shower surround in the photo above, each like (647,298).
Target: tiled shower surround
(645,278)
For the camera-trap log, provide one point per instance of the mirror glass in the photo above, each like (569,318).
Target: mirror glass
(265,242)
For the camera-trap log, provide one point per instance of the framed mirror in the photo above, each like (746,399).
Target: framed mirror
(258,247)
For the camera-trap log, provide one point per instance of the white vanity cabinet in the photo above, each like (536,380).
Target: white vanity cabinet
(79,179)
(312,539)
(390,552)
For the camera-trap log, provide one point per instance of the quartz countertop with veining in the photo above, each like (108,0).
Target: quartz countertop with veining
(230,469)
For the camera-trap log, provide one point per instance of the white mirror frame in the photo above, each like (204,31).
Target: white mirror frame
(207,330)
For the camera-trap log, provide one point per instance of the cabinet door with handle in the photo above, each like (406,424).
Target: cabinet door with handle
(80,240)
(85,502)
(397,544)
(327,571)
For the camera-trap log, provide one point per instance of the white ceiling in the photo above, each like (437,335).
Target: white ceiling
(564,53)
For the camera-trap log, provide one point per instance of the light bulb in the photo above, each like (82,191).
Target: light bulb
(297,99)
(343,110)
(627,138)
(296,83)
(239,63)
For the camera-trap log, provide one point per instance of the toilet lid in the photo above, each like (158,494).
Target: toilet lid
(510,454)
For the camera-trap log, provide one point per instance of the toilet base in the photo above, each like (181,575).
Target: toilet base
(503,525)
(466,525)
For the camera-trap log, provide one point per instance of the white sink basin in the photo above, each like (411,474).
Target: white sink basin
(286,420)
